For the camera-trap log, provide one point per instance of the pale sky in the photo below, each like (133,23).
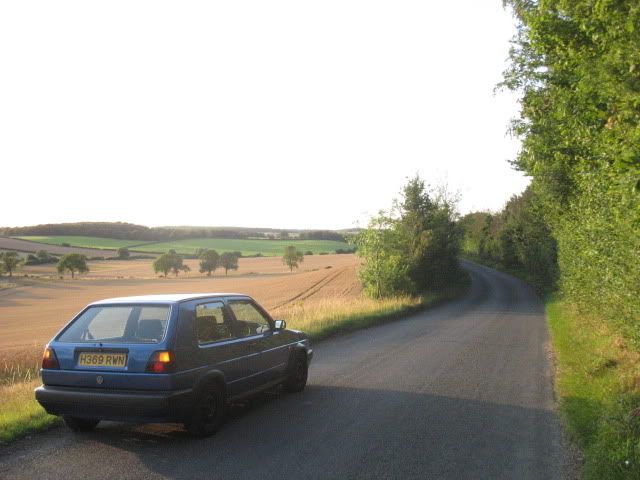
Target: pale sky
(284,114)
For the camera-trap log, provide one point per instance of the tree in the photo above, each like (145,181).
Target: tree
(292,257)
(43,256)
(413,247)
(517,239)
(209,261)
(123,252)
(163,263)
(385,271)
(170,262)
(10,262)
(74,262)
(229,261)
(177,265)
(576,67)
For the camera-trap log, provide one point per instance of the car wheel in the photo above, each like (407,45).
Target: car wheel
(80,424)
(208,412)
(298,375)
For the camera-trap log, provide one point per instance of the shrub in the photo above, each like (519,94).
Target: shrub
(413,247)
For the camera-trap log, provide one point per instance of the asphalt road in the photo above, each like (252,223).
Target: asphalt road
(461,391)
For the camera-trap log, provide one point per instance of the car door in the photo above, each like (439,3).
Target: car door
(218,345)
(267,356)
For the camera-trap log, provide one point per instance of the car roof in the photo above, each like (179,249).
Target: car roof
(166,298)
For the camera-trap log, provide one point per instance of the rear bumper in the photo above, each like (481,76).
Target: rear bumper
(118,405)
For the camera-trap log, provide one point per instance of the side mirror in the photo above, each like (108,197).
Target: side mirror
(281,324)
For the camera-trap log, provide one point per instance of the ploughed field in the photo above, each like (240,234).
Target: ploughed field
(40,304)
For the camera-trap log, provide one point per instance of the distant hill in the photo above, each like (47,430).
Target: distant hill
(130,231)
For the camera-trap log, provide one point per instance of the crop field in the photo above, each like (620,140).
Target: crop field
(37,307)
(84,242)
(190,246)
(25,246)
(143,269)
(247,247)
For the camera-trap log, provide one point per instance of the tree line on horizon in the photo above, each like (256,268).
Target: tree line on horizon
(129,231)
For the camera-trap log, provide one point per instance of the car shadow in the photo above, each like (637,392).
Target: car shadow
(344,432)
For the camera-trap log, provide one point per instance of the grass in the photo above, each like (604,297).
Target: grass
(190,246)
(246,246)
(332,316)
(335,316)
(84,242)
(598,385)
(20,414)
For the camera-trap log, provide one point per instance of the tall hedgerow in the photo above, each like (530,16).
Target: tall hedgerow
(576,64)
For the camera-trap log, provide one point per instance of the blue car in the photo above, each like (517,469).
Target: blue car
(168,358)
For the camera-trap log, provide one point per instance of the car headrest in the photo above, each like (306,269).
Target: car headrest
(150,330)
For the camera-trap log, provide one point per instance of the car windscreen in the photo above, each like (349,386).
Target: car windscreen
(119,324)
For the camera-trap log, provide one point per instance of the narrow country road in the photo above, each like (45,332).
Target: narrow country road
(463,391)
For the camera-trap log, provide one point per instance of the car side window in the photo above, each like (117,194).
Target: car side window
(211,323)
(251,321)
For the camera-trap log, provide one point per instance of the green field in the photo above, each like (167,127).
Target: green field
(247,247)
(84,242)
(190,246)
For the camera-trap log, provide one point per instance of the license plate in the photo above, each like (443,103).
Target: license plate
(90,359)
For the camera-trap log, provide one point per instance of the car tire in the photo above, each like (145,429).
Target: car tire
(80,424)
(208,411)
(298,374)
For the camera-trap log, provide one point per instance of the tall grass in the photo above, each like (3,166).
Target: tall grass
(324,318)
(18,366)
(19,411)
(20,414)
(598,385)
(332,316)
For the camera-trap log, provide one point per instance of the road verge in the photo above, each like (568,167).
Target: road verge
(598,388)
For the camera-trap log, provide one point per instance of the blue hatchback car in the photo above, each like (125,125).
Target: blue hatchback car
(168,358)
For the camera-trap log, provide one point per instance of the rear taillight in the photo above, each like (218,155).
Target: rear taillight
(49,359)
(161,361)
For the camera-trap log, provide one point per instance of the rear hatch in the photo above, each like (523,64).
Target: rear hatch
(109,347)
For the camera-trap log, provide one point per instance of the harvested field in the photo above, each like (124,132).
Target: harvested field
(143,269)
(35,309)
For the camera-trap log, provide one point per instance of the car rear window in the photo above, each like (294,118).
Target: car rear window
(119,324)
